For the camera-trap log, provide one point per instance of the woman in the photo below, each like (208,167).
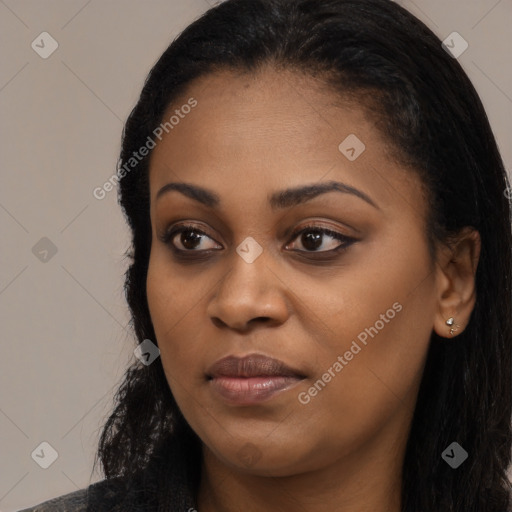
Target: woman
(321,253)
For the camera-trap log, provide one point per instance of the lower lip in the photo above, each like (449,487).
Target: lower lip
(251,390)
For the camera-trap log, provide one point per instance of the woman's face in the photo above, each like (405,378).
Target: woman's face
(348,306)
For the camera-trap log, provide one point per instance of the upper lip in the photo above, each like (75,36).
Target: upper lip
(252,365)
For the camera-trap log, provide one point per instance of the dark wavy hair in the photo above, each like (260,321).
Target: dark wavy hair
(425,107)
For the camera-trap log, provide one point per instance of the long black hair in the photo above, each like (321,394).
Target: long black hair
(425,107)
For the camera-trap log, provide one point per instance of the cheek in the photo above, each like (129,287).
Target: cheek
(372,359)
(173,309)
(376,388)
(380,289)
(160,297)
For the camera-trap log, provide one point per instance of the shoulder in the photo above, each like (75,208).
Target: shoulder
(100,493)
(72,502)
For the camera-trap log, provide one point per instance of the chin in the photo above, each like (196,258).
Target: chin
(264,459)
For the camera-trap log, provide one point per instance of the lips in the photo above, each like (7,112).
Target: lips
(253,365)
(251,379)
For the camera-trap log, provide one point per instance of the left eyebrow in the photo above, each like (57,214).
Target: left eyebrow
(278,200)
(294,196)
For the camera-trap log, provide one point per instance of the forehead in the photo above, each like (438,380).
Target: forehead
(255,113)
(263,131)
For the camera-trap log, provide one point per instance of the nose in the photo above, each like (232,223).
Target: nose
(249,294)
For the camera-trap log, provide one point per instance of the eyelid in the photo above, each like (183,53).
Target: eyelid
(344,240)
(170,233)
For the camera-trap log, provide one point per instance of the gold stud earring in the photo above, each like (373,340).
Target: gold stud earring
(453,328)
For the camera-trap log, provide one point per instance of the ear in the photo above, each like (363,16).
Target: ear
(455,281)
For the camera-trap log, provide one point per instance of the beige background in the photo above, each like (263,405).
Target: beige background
(64,342)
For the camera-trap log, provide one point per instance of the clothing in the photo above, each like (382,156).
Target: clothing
(168,483)
(72,502)
(107,496)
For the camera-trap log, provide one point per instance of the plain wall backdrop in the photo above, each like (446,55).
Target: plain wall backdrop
(65,342)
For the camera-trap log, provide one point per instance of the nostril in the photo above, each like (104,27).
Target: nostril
(261,318)
(218,322)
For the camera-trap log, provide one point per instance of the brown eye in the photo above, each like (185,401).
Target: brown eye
(313,238)
(190,239)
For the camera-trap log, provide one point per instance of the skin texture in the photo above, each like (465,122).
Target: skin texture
(249,136)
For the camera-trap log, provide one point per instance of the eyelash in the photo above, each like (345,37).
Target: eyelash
(170,234)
